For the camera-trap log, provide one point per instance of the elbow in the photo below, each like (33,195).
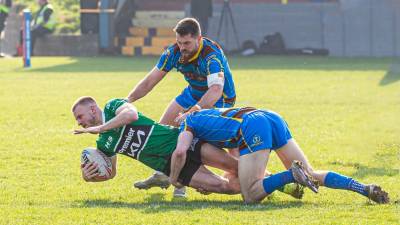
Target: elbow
(131,116)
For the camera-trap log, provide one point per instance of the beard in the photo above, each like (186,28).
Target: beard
(92,122)
(187,53)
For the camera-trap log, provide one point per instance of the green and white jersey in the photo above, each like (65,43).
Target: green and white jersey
(145,140)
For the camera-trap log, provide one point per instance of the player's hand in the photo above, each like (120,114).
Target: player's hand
(90,130)
(90,171)
(181,117)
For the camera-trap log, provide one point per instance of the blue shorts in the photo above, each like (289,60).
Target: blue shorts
(186,100)
(263,130)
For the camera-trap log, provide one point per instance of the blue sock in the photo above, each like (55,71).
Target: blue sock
(337,181)
(276,181)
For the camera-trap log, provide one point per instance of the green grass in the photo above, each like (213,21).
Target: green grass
(345,113)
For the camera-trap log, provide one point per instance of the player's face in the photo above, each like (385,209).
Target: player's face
(187,44)
(85,115)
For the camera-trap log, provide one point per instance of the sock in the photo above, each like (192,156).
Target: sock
(338,181)
(277,181)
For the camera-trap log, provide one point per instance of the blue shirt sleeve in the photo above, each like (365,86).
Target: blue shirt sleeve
(214,64)
(186,125)
(165,63)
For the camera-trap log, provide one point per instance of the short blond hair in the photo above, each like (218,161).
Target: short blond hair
(84,100)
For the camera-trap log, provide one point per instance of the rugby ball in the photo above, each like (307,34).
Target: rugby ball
(104,163)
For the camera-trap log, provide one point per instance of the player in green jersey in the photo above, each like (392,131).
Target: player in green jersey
(125,131)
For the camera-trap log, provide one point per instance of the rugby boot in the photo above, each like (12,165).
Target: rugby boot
(376,194)
(156,180)
(295,190)
(302,177)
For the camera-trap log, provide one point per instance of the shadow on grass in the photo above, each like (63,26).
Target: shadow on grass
(364,171)
(145,64)
(156,203)
(392,75)
(100,65)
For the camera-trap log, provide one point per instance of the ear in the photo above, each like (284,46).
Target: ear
(93,109)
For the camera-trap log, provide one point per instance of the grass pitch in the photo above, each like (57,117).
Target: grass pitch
(345,114)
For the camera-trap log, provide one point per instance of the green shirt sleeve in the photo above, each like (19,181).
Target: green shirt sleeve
(111,107)
(105,140)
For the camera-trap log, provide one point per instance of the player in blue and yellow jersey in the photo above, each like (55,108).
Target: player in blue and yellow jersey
(203,65)
(256,132)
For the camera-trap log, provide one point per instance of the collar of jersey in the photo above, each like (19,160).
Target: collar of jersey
(104,117)
(198,51)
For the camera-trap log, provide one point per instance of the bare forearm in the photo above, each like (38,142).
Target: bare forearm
(139,91)
(112,124)
(210,97)
(146,85)
(120,120)
(177,163)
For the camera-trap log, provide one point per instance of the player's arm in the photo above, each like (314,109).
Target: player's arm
(215,88)
(125,114)
(179,156)
(146,85)
(89,171)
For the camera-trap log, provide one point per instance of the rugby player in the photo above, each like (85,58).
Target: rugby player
(210,84)
(256,133)
(125,131)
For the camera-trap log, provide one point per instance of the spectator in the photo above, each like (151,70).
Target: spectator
(5,6)
(43,23)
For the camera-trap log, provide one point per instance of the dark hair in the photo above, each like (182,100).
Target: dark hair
(188,26)
(84,100)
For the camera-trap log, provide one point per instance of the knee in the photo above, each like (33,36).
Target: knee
(250,198)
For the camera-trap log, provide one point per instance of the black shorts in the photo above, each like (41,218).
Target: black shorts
(192,164)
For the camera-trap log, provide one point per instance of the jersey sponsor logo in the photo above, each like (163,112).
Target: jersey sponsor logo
(133,140)
(109,142)
(256,141)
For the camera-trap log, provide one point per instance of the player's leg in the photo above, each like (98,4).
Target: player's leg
(251,174)
(207,181)
(258,137)
(291,151)
(182,102)
(218,158)
(158,179)
(169,115)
